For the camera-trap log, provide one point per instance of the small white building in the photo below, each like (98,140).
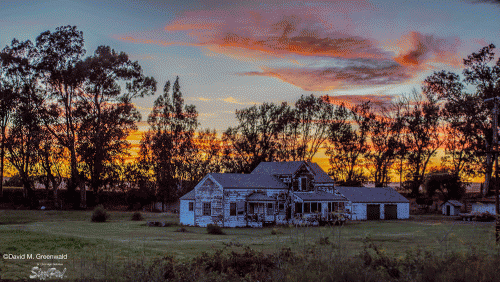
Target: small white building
(186,215)
(375,203)
(451,207)
(484,205)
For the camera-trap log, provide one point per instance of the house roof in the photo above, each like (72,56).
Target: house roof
(320,175)
(280,168)
(260,197)
(188,196)
(319,196)
(454,203)
(277,168)
(372,195)
(237,180)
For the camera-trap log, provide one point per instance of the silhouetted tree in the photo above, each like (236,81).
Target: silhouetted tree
(347,144)
(468,116)
(168,146)
(59,65)
(256,138)
(421,136)
(107,113)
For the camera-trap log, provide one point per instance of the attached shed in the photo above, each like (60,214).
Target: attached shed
(375,203)
(451,207)
(187,208)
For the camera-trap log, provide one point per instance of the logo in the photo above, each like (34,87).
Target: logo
(50,273)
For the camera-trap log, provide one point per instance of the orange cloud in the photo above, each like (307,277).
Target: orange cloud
(329,78)
(417,49)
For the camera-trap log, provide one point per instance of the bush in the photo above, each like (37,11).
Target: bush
(99,214)
(137,216)
(214,229)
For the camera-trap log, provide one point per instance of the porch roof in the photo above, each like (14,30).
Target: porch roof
(320,196)
(256,197)
(188,196)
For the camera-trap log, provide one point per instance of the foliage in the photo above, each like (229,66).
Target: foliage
(214,229)
(448,186)
(99,214)
(137,216)
(168,146)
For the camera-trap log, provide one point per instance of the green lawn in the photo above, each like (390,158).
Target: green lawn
(106,249)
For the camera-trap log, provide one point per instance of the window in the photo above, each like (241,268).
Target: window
(241,207)
(207,209)
(314,207)
(298,207)
(191,206)
(270,208)
(281,207)
(303,184)
(307,207)
(256,208)
(232,209)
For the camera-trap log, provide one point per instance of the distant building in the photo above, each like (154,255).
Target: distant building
(451,207)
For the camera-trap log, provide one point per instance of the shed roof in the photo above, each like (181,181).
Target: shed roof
(237,180)
(319,196)
(188,196)
(454,203)
(372,195)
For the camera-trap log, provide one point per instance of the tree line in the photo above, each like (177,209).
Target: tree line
(66,117)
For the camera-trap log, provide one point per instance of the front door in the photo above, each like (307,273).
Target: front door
(447,210)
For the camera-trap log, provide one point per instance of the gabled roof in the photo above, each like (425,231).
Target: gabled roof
(372,195)
(188,196)
(281,168)
(319,196)
(321,175)
(454,203)
(237,180)
(277,168)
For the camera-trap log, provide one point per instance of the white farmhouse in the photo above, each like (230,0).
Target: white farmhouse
(274,193)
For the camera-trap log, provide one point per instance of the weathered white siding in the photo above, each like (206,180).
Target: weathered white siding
(403,210)
(359,210)
(208,191)
(483,207)
(234,196)
(453,210)
(186,216)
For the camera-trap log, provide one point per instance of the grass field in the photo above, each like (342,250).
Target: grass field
(106,249)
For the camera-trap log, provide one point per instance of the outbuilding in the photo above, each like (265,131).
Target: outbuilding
(186,216)
(451,207)
(484,205)
(375,203)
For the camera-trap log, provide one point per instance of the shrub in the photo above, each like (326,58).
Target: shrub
(182,229)
(99,214)
(137,216)
(214,229)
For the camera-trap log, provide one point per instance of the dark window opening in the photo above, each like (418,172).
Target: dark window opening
(191,206)
(207,209)
(298,207)
(232,209)
(307,207)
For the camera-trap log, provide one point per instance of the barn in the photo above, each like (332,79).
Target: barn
(451,207)
(375,203)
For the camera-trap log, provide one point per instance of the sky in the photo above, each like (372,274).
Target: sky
(231,55)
